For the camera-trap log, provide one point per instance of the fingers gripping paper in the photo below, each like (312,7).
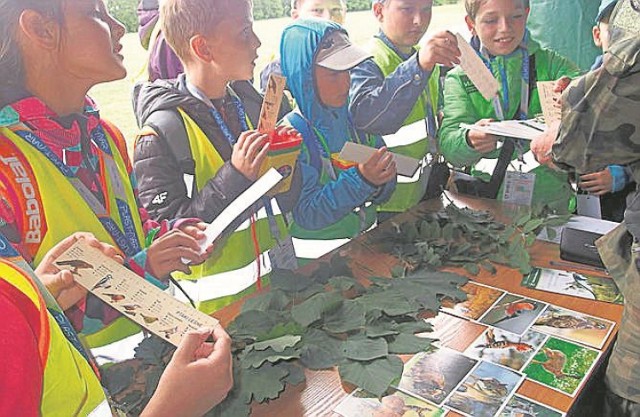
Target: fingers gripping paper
(131,295)
(475,69)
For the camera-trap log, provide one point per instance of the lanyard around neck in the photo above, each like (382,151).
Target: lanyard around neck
(8,253)
(501,107)
(126,237)
(217,116)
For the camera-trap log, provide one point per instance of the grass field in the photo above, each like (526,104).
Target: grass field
(114,98)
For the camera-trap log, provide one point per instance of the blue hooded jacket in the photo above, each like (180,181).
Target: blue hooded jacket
(320,205)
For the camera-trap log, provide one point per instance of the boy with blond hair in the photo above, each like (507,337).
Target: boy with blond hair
(198,149)
(397,93)
(500,38)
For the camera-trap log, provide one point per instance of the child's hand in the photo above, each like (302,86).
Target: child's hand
(561,84)
(541,146)
(249,153)
(481,141)
(442,49)
(165,254)
(61,283)
(380,168)
(209,364)
(597,183)
(288,131)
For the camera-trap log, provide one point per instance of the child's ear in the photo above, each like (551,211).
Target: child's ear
(471,25)
(377,11)
(200,48)
(596,36)
(42,31)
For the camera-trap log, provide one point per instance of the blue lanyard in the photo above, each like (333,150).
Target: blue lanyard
(127,239)
(9,253)
(242,116)
(501,107)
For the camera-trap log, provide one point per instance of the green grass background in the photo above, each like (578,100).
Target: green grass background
(114,98)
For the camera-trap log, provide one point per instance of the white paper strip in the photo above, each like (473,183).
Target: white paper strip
(240,204)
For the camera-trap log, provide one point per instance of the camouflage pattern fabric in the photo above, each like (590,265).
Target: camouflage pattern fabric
(600,127)
(621,256)
(601,110)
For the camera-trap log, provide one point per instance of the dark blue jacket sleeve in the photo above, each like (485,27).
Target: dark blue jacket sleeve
(380,105)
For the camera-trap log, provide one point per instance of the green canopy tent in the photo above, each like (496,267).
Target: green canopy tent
(565,26)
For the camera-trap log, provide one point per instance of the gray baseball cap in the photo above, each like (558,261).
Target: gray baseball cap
(336,52)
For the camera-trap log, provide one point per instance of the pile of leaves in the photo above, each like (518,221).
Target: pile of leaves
(329,319)
(461,237)
(321,321)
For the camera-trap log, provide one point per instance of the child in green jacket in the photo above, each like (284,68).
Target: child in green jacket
(500,38)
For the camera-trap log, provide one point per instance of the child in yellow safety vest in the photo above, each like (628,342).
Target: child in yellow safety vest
(46,371)
(63,168)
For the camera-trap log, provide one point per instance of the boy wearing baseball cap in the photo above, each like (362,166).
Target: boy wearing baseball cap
(339,198)
(397,93)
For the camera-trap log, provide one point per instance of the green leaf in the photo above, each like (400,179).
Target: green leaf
(488,266)
(281,329)
(289,281)
(349,316)
(255,358)
(319,350)
(391,302)
(381,328)
(361,348)
(117,378)
(296,373)
(521,220)
(530,239)
(343,283)
(264,383)
(272,300)
(414,326)
(278,344)
(311,310)
(447,231)
(551,233)
(374,377)
(532,225)
(473,269)
(251,324)
(398,271)
(406,344)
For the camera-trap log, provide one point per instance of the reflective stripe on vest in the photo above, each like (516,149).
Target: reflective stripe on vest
(324,240)
(411,139)
(70,387)
(66,212)
(234,256)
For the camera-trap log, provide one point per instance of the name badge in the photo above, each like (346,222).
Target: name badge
(518,188)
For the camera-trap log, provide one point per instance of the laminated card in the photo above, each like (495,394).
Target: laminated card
(131,295)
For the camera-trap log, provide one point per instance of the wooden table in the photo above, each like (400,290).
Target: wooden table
(323,390)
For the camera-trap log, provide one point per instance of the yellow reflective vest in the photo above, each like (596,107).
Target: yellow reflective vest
(411,139)
(69,385)
(56,209)
(240,260)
